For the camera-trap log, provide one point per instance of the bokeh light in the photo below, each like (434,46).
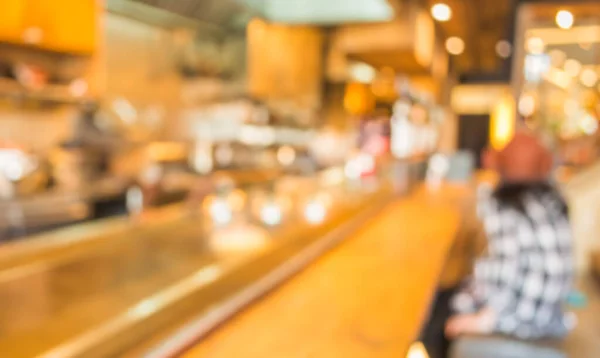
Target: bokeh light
(572,67)
(286,155)
(503,49)
(535,45)
(526,105)
(589,77)
(564,19)
(455,45)
(271,214)
(441,12)
(315,212)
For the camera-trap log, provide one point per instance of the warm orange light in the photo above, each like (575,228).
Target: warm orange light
(384,85)
(237,199)
(502,125)
(388,72)
(207,204)
(417,350)
(455,45)
(257,26)
(357,99)
(441,12)
(167,151)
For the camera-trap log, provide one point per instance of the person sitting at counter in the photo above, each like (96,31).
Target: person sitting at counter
(518,287)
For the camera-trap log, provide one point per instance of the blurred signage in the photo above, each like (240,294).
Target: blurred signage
(476,99)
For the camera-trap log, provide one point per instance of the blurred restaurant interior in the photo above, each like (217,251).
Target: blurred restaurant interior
(272,178)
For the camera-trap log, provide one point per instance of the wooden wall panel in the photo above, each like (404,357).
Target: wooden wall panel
(285,62)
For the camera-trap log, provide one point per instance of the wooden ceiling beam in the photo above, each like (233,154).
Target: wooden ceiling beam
(480,23)
(472,15)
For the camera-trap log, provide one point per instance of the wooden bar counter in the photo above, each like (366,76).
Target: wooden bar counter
(366,298)
(100,289)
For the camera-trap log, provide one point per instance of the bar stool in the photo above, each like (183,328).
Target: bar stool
(504,347)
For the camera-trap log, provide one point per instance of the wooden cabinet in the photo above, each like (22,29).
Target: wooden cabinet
(72,26)
(11,20)
(56,25)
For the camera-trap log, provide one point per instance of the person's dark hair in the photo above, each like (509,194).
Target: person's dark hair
(512,195)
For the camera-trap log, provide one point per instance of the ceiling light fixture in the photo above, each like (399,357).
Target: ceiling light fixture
(455,45)
(441,12)
(564,19)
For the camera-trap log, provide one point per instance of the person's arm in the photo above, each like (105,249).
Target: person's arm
(482,322)
(492,301)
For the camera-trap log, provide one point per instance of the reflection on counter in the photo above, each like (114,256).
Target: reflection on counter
(167,264)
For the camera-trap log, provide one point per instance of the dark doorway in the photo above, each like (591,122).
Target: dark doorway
(473,134)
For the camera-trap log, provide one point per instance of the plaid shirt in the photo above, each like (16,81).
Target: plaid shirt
(528,271)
